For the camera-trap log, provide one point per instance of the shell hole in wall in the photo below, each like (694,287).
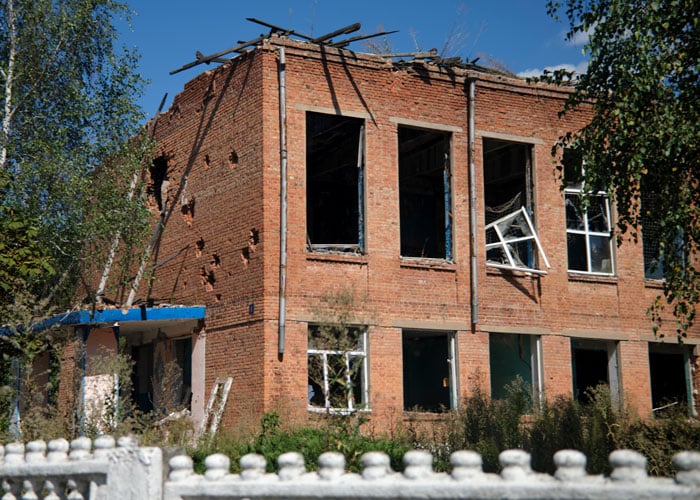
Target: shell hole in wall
(233,159)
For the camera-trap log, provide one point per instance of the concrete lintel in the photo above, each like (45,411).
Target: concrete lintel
(424,124)
(333,111)
(431,325)
(599,335)
(669,340)
(509,137)
(525,330)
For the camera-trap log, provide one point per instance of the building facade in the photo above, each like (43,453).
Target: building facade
(384,236)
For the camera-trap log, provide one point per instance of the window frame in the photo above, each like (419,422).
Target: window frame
(536,363)
(586,232)
(612,350)
(338,247)
(362,353)
(504,244)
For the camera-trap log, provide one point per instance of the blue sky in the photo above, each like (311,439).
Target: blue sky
(517,34)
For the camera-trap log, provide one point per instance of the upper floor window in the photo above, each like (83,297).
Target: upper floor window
(335,161)
(424,193)
(589,239)
(511,238)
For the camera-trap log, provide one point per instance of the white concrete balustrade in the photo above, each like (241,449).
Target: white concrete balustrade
(103,468)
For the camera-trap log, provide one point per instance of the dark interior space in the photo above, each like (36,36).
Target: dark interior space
(507,188)
(668,379)
(334,161)
(426,374)
(424,193)
(590,369)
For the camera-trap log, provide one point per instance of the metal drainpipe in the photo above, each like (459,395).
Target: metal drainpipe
(472,204)
(283,204)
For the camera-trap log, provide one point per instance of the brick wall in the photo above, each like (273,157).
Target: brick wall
(234,233)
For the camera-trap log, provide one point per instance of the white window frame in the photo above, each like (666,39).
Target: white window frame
(504,243)
(352,405)
(587,233)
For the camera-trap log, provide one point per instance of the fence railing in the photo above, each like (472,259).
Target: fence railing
(103,468)
(81,469)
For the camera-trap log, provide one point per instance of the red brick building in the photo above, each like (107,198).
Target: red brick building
(422,200)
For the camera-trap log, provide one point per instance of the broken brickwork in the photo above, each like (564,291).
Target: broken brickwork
(378,206)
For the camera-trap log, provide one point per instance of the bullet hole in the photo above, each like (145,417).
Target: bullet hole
(253,239)
(215,261)
(245,256)
(198,247)
(207,161)
(157,188)
(217,297)
(207,279)
(187,210)
(233,159)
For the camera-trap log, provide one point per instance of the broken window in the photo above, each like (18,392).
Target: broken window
(429,371)
(669,368)
(337,368)
(514,358)
(511,239)
(589,239)
(655,253)
(334,182)
(424,193)
(158,187)
(594,363)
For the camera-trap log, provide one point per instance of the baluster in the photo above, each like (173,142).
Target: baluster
(628,465)
(14,453)
(375,465)
(80,448)
(102,446)
(466,464)
(50,488)
(58,450)
(36,452)
(29,493)
(571,465)
(181,467)
(418,464)
(252,466)
(291,465)
(73,490)
(688,464)
(7,488)
(515,464)
(217,466)
(331,465)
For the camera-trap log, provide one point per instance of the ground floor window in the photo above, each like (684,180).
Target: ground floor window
(429,371)
(337,368)
(669,369)
(515,358)
(594,363)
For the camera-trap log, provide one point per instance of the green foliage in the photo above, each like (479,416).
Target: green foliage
(335,433)
(642,86)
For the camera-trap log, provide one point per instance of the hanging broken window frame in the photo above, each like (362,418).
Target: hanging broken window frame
(512,242)
(514,235)
(589,235)
(335,162)
(425,199)
(337,369)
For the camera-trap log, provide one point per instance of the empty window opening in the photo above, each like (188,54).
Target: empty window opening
(182,357)
(511,239)
(515,362)
(337,368)
(589,239)
(651,241)
(157,188)
(669,369)
(334,180)
(594,363)
(424,193)
(142,376)
(429,372)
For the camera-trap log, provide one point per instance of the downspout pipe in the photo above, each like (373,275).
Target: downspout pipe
(283,204)
(474,282)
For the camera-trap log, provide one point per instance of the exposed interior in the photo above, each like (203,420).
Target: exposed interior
(594,363)
(334,196)
(513,359)
(669,371)
(427,375)
(424,193)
